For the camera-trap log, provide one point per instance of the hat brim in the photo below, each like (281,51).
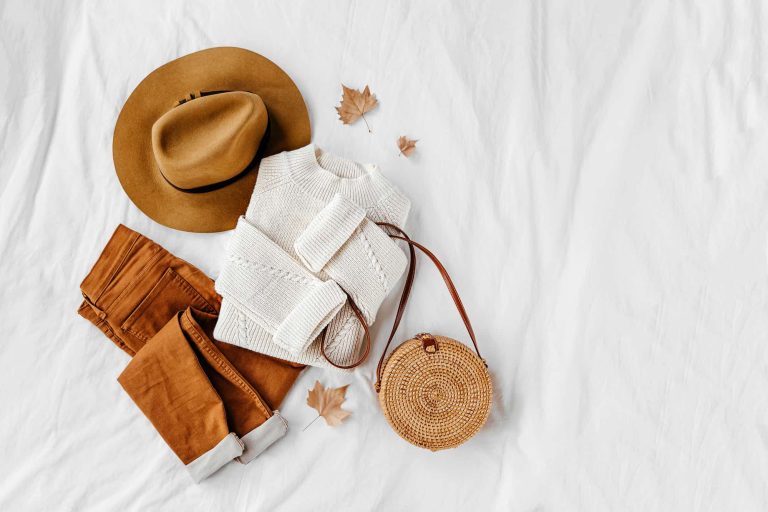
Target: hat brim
(214,69)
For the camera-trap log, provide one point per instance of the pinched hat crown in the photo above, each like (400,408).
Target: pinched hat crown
(189,160)
(209,138)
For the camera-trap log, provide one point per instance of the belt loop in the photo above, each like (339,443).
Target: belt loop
(102,315)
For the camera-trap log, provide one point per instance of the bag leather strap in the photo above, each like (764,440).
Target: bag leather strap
(407,291)
(401,235)
(366,339)
(359,315)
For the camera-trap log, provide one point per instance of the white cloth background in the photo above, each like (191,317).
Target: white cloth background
(593,173)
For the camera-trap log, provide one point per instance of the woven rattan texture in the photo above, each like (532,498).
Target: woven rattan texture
(439,400)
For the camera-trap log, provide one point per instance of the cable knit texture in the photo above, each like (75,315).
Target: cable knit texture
(367,267)
(354,252)
(275,291)
(312,207)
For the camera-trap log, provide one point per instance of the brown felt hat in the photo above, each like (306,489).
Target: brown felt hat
(188,140)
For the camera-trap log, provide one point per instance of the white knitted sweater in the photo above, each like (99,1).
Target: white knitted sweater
(303,225)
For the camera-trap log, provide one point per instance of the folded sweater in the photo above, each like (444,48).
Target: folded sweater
(307,240)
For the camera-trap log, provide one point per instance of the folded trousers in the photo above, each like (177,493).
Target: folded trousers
(212,402)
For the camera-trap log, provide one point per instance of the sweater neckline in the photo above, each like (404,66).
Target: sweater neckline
(324,175)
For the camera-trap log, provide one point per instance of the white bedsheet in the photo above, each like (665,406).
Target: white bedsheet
(593,173)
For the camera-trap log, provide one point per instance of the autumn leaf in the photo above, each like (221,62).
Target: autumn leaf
(406,145)
(328,402)
(355,104)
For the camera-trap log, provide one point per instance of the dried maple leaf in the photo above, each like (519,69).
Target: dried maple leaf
(406,145)
(328,402)
(355,104)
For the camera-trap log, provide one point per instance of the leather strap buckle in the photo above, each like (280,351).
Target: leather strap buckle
(428,342)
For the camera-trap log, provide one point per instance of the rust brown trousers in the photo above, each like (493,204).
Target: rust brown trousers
(211,401)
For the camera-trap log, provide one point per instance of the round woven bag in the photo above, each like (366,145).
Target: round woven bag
(435,392)
(435,398)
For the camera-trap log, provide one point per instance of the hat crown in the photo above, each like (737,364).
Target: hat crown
(209,139)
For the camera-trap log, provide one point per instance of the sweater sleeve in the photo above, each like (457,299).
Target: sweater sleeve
(275,290)
(353,251)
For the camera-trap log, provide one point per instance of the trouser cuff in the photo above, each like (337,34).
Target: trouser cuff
(262,437)
(214,459)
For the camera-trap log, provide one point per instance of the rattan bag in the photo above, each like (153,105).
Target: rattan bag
(435,392)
